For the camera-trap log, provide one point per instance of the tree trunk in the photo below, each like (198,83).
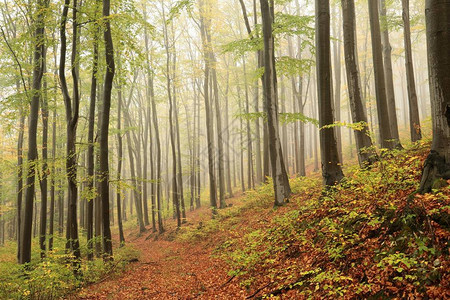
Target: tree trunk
(437,165)
(384,119)
(38,71)
(366,155)
(119,165)
(53,183)
(208,113)
(90,150)
(279,175)
(389,78)
(20,183)
(158,159)
(337,82)
(414,121)
(177,132)
(45,170)
(104,127)
(250,176)
(331,168)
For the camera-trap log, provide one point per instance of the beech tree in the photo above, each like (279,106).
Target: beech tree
(279,174)
(38,72)
(366,155)
(414,122)
(72,106)
(104,126)
(384,119)
(437,164)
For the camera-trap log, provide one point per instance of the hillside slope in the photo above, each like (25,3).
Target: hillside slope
(370,237)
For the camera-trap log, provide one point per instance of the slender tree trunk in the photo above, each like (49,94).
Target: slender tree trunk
(52,183)
(363,142)
(241,136)
(119,165)
(208,112)
(337,82)
(227,134)
(331,168)
(250,176)
(389,77)
(90,150)
(72,114)
(384,115)
(158,158)
(38,71)
(177,132)
(45,170)
(20,182)
(280,179)
(104,127)
(414,121)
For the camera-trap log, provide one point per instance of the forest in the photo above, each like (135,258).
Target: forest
(239,149)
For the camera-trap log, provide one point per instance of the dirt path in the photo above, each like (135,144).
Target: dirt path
(169,270)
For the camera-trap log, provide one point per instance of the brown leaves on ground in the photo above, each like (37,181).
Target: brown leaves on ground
(170,269)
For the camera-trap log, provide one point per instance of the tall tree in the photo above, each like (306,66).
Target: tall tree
(437,164)
(386,137)
(119,166)
(72,114)
(104,127)
(331,168)
(414,120)
(388,74)
(280,179)
(90,150)
(204,20)
(38,72)
(45,169)
(358,110)
(172,114)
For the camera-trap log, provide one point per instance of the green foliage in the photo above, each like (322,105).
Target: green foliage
(53,277)
(362,237)
(178,8)
(240,47)
(294,25)
(294,117)
(289,66)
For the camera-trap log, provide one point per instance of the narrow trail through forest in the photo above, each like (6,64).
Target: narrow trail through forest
(169,269)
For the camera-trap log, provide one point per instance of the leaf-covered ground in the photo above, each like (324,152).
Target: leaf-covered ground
(371,237)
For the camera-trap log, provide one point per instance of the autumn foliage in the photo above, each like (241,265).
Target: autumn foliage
(370,237)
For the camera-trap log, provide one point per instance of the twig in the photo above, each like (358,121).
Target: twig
(228,281)
(257,291)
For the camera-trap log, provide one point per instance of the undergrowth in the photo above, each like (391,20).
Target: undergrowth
(369,237)
(53,277)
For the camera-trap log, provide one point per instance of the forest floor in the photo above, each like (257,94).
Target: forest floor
(168,268)
(370,237)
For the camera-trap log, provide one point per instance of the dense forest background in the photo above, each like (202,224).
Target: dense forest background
(121,115)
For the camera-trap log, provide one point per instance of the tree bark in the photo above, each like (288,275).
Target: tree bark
(90,150)
(384,119)
(45,170)
(414,120)
(389,78)
(208,113)
(331,168)
(72,114)
(104,127)
(366,154)
(280,179)
(38,71)
(437,165)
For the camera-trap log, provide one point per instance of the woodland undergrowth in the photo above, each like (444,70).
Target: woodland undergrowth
(370,237)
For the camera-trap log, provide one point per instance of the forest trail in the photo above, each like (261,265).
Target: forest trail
(170,269)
